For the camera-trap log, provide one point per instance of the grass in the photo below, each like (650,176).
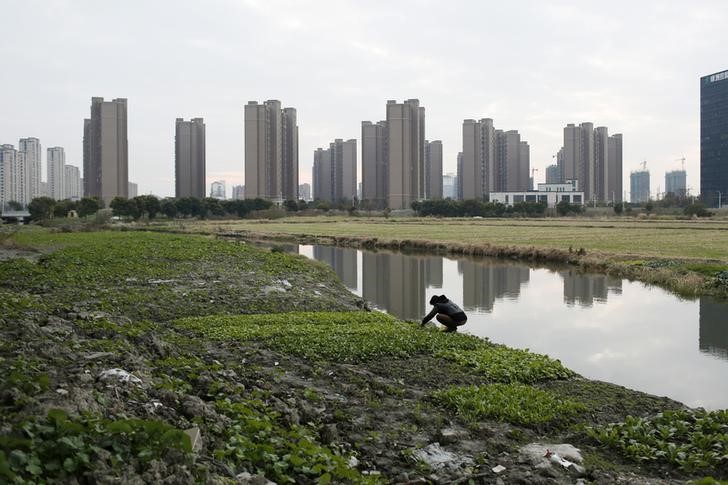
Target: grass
(514,403)
(617,237)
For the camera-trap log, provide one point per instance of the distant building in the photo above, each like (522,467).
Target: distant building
(304,192)
(594,158)
(552,174)
(56,161)
(271,151)
(676,183)
(132,190)
(374,169)
(639,182)
(32,150)
(459,178)
(106,150)
(714,138)
(238,192)
(492,160)
(449,186)
(334,171)
(189,158)
(406,153)
(8,160)
(550,194)
(217,190)
(433,169)
(71,183)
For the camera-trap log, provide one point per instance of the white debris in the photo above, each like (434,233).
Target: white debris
(498,469)
(542,455)
(437,458)
(353,462)
(286,283)
(61,391)
(119,375)
(195,438)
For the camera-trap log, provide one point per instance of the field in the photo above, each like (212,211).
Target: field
(140,357)
(614,237)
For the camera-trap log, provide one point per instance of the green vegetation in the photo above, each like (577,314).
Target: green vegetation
(691,440)
(59,447)
(514,403)
(503,364)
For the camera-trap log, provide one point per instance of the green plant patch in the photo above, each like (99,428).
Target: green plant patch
(706,269)
(514,403)
(59,447)
(258,441)
(340,336)
(503,364)
(692,440)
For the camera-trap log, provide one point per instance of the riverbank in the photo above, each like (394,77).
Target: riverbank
(687,257)
(142,356)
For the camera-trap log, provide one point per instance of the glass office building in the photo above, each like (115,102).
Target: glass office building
(714,138)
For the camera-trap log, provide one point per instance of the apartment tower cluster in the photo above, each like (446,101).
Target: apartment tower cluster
(334,172)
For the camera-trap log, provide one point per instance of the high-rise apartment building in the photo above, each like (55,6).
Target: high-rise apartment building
(406,153)
(374,163)
(433,169)
(639,182)
(593,158)
(56,162)
(492,160)
(335,171)
(676,183)
(449,186)
(8,158)
(31,148)
(71,182)
(132,189)
(238,192)
(322,175)
(459,178)
(304,192)
(217,190)
(714,138)
(271,151)
(552,174)
(106,150)
(189,158)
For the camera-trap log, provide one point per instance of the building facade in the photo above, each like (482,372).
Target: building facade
(676,183)
(32,151)
(304,192)
(72,183)
(106,150)
(271,151)
(552,174)
(238,192)
(639,186)
(714,138)
(433,169)
(217,190)
(132,189)
(56,163)
(322,175)
(406,153)
(189,158)
(374,163)
(549,194)
(449,186)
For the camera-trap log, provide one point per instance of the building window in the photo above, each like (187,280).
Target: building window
(564,198)
(577,199)
(517,198)
(531,198)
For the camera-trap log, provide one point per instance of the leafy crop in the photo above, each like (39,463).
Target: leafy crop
(691,440)
(60,447)
(514,403)
(503,364)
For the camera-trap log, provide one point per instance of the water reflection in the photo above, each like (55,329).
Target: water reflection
(713,338)
(604,328)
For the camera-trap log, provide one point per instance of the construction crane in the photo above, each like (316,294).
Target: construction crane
(682,162)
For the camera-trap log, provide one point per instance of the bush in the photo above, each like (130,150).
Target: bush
(565,208)
(697,209)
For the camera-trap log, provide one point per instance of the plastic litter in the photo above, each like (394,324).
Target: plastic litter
(119,375)
(498,469)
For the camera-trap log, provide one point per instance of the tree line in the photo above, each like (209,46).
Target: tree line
(483,208)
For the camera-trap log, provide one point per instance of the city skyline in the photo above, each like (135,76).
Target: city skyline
(635,76)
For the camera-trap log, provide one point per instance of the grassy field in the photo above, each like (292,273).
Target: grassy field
(628,238)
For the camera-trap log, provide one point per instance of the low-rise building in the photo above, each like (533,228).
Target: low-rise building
(550,194)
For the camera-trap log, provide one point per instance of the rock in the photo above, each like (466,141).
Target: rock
(437,458)
(535,453)
(193,406)
(449,436)
(329,434)
(498,469)
(246,478)
(195,438)
(499,481)
(98,355)
(353,462)
(119,376)
(62,392)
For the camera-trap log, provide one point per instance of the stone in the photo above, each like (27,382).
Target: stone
(119,376)
(437,458)
(498,469)
(246,478)
(448,436)
(195,438)
(98,355)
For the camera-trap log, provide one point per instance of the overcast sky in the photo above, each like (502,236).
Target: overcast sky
(534,66)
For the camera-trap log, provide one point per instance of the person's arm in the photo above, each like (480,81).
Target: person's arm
(429,316)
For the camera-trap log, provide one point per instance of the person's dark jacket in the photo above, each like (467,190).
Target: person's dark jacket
(448,308)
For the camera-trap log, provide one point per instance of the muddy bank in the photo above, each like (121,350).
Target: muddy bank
(675,275)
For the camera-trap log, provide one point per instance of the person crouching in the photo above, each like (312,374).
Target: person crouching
(446,312)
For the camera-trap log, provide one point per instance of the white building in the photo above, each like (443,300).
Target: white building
(31,148)
(132,189)
(449,186)
(551,194)
(72,182)
(14,179)
(56,160)
(304,192)
(217,190)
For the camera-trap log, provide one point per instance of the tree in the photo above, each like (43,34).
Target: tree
(120,207)
(88,206)
(213,207)
(618,208)
(63,207)
(41,208)
(697,209)
(168,207)
(649,206)
(14,205)
(147,204)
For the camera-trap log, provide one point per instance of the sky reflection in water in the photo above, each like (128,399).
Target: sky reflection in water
(609,329)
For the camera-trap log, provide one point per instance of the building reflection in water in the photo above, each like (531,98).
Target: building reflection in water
(343,260)
(484,283)
(433,272)
(713,336)
(585,289)
(396,283)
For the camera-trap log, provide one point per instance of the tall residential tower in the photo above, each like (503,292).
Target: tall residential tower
(106,150)
(714,138)
(189,158)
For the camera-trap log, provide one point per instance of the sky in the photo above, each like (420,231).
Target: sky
(533,66)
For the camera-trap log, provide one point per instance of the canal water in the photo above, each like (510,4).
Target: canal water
(614,330)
